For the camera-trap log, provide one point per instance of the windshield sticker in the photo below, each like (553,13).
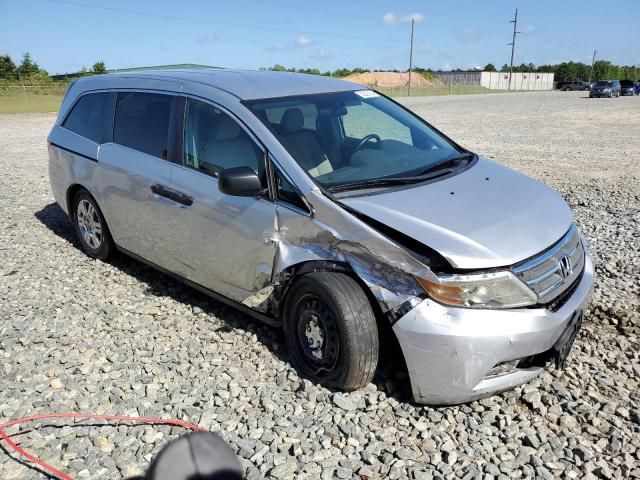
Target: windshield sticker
(366,93)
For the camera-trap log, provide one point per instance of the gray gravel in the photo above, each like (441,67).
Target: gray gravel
(83,335)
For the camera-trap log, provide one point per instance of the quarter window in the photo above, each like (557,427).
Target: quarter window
(89,115)
(213,141)
(142,122)
(287,192)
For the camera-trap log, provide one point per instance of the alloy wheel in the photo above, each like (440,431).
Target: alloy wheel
(89,224)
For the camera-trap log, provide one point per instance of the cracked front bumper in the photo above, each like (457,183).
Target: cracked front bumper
(450,351)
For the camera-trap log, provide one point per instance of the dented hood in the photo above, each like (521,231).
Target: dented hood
(487,216)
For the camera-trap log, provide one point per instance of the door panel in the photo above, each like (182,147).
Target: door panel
(221,242)
(139,218)
(225,241)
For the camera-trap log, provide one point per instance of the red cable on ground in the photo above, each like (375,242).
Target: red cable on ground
(115,418)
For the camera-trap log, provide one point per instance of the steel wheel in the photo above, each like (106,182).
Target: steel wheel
(330,330)
(318,337)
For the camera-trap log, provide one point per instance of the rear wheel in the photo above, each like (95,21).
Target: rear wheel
(331,331)
(91,228)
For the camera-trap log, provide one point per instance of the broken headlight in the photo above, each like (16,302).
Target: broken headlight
(486,290)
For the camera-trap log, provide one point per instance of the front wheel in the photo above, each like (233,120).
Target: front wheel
(330,331)
(91,228)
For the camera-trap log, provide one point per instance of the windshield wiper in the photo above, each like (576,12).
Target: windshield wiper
(448,162)
(443,167)
(387,181)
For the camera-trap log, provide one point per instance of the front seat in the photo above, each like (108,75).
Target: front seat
(228,147)
(302,144)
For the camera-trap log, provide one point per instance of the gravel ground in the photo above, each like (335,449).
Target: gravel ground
(83,335)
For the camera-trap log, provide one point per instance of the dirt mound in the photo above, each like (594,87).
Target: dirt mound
(388,79)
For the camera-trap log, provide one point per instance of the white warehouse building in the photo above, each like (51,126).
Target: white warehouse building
(499,80)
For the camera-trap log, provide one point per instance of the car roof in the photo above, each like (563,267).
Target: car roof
(249,84)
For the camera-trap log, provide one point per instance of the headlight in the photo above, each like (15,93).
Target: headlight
(487,290)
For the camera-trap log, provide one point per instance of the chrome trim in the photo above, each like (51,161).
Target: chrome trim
(544,273)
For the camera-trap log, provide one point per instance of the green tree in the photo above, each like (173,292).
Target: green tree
(603,70)
(504,68)
(99,67)
(489,67)
(341,72)
(27,67)
(278,68)
(7,68)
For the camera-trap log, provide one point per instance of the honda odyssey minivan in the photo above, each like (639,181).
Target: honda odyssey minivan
(331,211)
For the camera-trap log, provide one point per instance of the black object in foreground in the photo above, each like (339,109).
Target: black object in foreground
(195,456)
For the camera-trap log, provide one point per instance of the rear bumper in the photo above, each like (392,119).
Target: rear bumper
(449,351)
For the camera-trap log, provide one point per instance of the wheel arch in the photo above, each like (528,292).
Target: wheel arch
(73,190)
(293,272)
(71,193)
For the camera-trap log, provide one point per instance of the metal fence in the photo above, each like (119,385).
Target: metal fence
(31,98)
(435,89)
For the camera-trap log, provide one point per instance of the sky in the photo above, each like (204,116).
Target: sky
(66,35)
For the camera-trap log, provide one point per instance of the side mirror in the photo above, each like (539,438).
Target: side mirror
(240,182)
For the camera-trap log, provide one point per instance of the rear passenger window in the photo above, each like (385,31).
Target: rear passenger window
(88,116)
(214,141)
(142,122)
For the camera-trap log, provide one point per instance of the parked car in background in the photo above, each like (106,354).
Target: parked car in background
(605,88)
(637,89)
(576,86)
(627,87)
(329,210)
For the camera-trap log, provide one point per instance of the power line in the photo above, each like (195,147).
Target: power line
(316,10)
(220,23)
(340,14)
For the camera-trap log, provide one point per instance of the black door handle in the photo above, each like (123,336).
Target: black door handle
(171,194)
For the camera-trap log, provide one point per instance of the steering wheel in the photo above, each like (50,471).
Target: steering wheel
(367,139)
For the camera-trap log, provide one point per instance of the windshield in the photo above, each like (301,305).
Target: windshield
(626,83)
(602,83)
(349,137)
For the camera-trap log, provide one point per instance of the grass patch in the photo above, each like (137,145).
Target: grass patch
(31,98)
(49,99)
(17,102)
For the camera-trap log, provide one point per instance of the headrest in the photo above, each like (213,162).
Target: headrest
(226,129)
(292,120)
(157,109)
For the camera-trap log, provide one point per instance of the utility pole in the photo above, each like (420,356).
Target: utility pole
(593,62)
(513,46)
(410,60)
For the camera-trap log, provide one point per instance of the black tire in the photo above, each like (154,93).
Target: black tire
(97,242)
(330,331)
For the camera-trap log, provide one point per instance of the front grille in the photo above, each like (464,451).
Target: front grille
(555,270)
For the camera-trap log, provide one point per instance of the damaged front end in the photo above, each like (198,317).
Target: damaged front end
(335,239)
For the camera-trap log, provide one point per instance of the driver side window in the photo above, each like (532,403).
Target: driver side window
(363,119)
(213,141)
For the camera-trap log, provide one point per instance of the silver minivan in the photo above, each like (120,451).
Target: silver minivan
(331,211)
